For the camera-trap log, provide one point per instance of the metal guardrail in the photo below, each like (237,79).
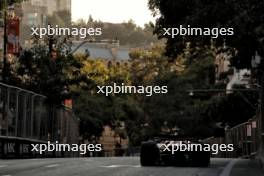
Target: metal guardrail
(244,138)
(22,113)
(26,116)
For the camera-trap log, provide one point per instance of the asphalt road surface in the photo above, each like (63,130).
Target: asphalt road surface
(125,166)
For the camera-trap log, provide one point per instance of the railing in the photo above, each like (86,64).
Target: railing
(26,116)
(244,137)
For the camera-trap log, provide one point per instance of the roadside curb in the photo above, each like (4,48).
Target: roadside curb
(227,170)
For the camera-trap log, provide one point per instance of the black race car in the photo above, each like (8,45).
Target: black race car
(166,151)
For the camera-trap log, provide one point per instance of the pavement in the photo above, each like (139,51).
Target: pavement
(123,166)
(247,167)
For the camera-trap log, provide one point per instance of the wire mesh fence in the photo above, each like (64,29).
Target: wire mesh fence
(27,115)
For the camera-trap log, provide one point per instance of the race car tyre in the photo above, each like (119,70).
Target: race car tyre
(205,162)
(149,154)
(200,159)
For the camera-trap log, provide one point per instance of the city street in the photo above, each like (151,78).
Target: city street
(84,83)
(127,166)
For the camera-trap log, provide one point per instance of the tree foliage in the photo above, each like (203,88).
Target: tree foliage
(37,70)
(246,17)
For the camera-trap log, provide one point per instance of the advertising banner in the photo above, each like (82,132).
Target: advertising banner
(13,36)
(1,38)
(68,103)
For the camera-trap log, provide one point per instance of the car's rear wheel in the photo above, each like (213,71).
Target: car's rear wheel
(201,159)
(149,154)
(205,161)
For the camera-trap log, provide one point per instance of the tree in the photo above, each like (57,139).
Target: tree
(48,72)
(176,109)
(246,17)
(146,117)
(94,113)
(95,110)
(227,109)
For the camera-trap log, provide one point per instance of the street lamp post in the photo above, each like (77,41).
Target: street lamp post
(261,116)
(257,63)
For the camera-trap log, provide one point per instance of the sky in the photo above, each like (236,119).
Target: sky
(115,11)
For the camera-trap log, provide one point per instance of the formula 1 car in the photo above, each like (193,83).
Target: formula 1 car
(162,151)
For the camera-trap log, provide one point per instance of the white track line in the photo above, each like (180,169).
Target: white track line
(53,165)
(118,166)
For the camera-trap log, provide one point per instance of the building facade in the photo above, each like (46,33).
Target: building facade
(39,13)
